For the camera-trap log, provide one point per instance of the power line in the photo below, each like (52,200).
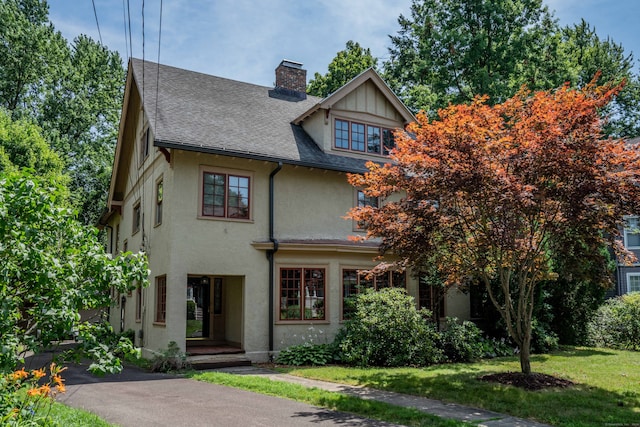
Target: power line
(155,118)
(129,20)
(97,24)
(124,23)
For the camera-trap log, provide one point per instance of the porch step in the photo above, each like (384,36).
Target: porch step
(214,361)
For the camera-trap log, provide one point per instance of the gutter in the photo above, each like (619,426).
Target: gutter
(271,253)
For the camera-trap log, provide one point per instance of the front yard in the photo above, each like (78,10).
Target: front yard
(606,390)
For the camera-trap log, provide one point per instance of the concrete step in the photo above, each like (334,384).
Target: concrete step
(215,361)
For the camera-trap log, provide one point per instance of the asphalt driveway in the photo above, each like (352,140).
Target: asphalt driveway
(139,399)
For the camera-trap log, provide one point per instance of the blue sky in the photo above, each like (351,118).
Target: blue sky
(246,39)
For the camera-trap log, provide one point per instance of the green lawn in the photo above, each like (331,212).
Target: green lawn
(607,390)
(64,415)
(331,400)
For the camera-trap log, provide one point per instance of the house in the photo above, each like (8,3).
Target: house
(628,276)
(238,194)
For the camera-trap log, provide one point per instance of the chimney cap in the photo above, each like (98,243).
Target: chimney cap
(291,64)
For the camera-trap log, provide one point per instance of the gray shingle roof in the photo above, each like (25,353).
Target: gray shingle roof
(199,112)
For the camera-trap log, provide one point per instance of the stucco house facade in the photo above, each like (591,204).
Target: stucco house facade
(628,275)
(238,193)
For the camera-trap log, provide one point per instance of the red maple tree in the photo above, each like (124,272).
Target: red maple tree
(492,193)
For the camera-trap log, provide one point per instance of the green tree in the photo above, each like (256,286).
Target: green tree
(80,117)
(345,66)
(586,55)
(448,51)
(52,267)
(31,53)
(22,146)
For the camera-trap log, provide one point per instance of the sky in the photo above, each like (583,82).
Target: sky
(245,40)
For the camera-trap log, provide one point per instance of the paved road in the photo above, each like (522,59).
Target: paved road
(139,399)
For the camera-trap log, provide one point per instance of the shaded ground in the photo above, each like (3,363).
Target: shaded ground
(532,382)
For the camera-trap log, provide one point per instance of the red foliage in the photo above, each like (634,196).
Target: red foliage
(491,192)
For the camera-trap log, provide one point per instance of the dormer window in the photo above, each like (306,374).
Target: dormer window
(363,137)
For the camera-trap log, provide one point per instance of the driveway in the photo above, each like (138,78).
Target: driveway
(139,399)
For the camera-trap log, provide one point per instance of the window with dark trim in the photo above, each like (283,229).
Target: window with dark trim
(159,199)
(362,201)
(431,297)
(161,299)
(363,138)
(137,218)
(354,281)
(225,195)
(302,293)
(144,146)
(138,303)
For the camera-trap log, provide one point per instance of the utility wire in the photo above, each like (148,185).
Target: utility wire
(155,118)
(97,24)
(124,23)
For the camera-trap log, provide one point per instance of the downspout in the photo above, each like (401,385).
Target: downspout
(271,253)
(111,252)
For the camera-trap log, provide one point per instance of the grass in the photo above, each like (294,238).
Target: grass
(64,415)
(607,387)
(331,400)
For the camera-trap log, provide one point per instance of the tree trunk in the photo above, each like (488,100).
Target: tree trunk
(525,353)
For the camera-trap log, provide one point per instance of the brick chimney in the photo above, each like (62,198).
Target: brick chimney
(291,79)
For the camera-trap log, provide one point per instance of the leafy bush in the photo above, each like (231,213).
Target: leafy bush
(494,347)
(543,340)
(308,354)
(171,359)
(461,342)
(617,323)
(387,330)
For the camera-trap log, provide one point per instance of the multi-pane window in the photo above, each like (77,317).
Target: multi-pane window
(632,233)
(364,200)
(225,195)
(354,281)
(357,136)
(342,134)
(363,138)
(431,297)
(161,299)
(633,282)
(137,218)
(159,199)
(302,293)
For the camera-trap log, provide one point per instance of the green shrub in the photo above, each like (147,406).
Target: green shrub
(308,354)
(386,330)
(617,323)
(191,310)
(461,342)
(171,359)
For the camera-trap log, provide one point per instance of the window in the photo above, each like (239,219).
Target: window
(137,217)
(632,232)
(353,281)
(225,195)
(633,282)
(161,299)
(144,146)
(159,198)
(362,201)
(342,134)
(117,239)
(361,137)
(431,297)
(138,303)
(302,292)
(357,136)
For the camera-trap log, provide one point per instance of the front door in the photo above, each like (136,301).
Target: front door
(205,309)
(198,307)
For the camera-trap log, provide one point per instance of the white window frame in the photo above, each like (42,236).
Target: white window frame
(629,276)
(629,231)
